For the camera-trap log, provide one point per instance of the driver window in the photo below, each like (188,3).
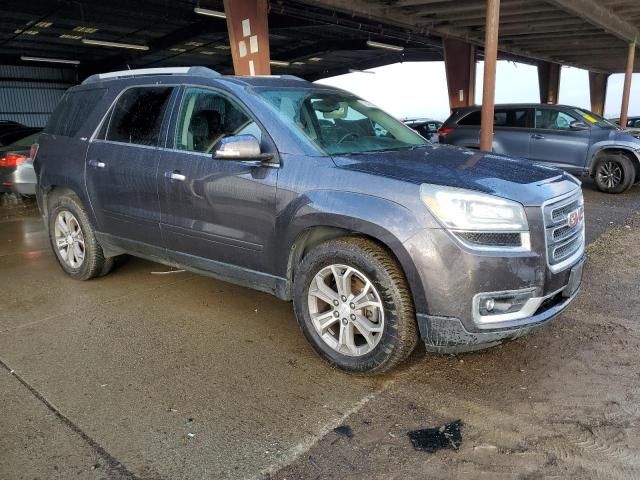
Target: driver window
(553,119)
(206,116)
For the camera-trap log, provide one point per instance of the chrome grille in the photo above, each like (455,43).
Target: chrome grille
(564,240)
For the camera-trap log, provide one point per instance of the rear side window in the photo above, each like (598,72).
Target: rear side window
(473,119)
(502,117)
(137,116)
(72,111)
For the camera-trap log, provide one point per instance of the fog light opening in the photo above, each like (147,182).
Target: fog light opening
(501,303)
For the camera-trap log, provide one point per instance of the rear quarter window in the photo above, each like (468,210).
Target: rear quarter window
(137,116)
(72,111)
(472,119)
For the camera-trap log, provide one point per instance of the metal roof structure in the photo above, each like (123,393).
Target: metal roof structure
(315,38)
(312,41)
(591,34)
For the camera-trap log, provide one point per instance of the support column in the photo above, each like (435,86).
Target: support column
(626,91)
(460,65)
(248,28)
(598,91)
(549,81)
(489,85)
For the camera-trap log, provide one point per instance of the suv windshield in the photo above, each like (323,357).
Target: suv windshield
(594,119)
(339,123)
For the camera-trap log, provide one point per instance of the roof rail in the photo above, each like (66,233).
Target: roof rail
(198,71)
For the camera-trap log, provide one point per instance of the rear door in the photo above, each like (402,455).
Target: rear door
(512,130)
(553,141)
(121,168)
(215,211)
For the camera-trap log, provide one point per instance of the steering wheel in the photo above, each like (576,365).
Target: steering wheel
(350,134)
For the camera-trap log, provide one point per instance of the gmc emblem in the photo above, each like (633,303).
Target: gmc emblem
(576,217)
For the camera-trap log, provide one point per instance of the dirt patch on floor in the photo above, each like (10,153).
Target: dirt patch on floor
(13,206)
(563,402)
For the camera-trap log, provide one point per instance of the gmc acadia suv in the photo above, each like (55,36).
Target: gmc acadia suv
(316,196)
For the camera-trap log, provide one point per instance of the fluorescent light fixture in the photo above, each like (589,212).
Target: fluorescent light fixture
(50,60)
(278,63)
(209,13)
(384,46)
(102,43)
(353,70)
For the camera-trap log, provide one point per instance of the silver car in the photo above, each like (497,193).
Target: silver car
(16,166)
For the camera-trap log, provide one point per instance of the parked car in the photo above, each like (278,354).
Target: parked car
(8,125)
(570,138)
(16,134)
(632,122)
(424,126)
(316,196)
(16,166)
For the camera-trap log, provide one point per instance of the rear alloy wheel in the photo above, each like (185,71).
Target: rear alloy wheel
(353,305)
(69,239)
(614,173)
(73,240)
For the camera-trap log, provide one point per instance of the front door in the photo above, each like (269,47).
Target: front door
(121,168)
(216,214)
(554,142)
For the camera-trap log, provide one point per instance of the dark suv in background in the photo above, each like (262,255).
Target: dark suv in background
(316,196)
(570,138)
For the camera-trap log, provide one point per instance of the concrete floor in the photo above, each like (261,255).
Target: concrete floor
(111,376)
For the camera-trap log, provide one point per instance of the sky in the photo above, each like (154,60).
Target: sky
(419,89)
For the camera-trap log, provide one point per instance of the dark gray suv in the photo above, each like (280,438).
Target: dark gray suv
(316,196)
(570,138)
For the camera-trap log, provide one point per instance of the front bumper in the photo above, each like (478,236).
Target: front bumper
(452,277)
(449,335)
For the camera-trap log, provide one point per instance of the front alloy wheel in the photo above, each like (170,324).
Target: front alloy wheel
(614,173)
(353,304)
(610,174)
(346,310)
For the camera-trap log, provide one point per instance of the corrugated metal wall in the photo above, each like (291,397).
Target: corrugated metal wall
(29,94)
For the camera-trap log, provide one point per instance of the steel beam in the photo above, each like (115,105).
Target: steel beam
(460,66)
(626,91)
(600,16)
(598,91)
(549,81)
(248,27)
(489,85)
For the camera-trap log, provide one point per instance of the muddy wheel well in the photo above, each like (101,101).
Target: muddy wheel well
(49,195)
(313,236)
(618,151)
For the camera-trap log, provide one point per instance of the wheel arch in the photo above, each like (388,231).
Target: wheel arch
(312,236)
(614,150)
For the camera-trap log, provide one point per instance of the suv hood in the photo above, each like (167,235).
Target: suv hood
(516,179)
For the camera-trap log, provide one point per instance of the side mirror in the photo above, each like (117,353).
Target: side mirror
(578,125)
(240,147)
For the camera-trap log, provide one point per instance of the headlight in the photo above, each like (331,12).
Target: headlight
(460,209)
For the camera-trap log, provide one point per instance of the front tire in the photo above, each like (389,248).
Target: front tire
(614,173)
(353,305)
(73,240)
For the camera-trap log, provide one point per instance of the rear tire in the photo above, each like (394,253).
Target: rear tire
(73,240)
(365,326)
(614,173)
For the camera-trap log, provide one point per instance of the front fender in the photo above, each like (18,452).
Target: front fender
(615,145)
(383,220)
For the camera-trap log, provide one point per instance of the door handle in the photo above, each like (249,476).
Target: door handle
(97,164)
(175,176)
(537,136)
